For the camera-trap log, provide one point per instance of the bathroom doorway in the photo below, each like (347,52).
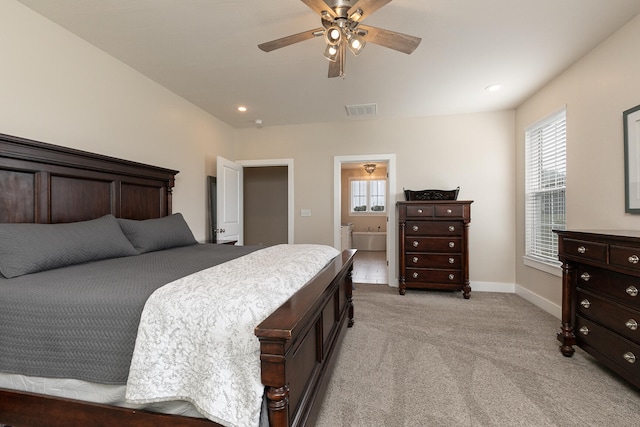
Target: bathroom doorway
(364,217)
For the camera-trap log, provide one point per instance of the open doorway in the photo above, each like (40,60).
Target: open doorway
(230,198)
(265,205)
(364,216)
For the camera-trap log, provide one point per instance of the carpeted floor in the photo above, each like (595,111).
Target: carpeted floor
(434,359)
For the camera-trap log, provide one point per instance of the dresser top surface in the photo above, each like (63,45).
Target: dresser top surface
(436,202)
(634,234)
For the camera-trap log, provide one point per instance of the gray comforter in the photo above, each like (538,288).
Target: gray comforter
(81,321)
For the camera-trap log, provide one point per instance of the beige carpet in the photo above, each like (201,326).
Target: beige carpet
(434,359)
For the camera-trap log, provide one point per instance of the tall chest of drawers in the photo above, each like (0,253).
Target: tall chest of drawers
(600,301)
(433,246)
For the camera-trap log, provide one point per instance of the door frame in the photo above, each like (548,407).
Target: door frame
(278,162)
(390,159)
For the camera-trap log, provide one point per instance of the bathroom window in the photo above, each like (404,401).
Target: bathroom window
(368,196)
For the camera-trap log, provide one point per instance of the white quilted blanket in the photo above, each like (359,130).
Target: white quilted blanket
(196,337)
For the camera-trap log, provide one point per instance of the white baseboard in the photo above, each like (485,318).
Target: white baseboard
(535,299)
(508,288)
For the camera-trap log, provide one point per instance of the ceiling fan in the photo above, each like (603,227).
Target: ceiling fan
(342,30)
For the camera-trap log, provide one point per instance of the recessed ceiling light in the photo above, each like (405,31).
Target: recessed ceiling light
(242,108)
(493,88)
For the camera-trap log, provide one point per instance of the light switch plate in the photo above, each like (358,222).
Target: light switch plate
(305,212)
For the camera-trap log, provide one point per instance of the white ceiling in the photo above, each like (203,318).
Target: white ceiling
(206,51)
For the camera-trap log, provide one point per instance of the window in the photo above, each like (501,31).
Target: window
(545,183)
(368,196)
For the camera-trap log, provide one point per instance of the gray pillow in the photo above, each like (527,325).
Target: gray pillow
(29,248)
(159,233)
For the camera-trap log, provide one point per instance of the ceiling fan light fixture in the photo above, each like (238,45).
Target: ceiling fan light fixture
(333,35)
(356,44)
(331,52)
(356,15)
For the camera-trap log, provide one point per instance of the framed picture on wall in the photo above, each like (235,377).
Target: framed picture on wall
(631,119)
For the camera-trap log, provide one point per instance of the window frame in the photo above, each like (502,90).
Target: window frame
(368,196)
(545,190)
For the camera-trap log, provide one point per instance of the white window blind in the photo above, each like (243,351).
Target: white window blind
(545,184)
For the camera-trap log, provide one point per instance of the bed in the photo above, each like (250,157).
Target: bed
(298,341)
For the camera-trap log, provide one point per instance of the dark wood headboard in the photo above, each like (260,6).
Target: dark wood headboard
(45,183)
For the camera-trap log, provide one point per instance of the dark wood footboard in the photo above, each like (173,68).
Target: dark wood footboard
(299,343)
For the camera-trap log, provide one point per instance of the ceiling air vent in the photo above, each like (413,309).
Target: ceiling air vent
(359,110)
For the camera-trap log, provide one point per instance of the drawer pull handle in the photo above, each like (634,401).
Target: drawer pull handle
(415,243)
(415,259)
(585,276)
(415,228)
(452,228)
(582,249)
(631,324)
(415,275)
(419,210)
(448,211)
(452,244)
(585,303)
(584,330)
(451,260)
(633,259)
(629,357)
(452,276)
(632,291)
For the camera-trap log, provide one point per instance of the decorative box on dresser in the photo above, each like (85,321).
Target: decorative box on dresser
(600,301)
(433,246)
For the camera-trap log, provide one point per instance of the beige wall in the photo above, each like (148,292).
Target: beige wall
(596,90)
(474,151)
(56,88)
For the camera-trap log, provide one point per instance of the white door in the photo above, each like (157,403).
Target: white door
(229,201)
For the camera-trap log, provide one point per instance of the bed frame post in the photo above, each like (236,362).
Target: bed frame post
(349,293)
(278,405)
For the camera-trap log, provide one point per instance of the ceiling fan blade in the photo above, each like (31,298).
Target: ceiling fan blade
(397,41)
(367,6)
(289,40)
(336,68)
(318,6)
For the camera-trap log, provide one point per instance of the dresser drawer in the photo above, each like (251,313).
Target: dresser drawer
(433,244)
(420,211)
(420,260)
(433,228)
(586,250)
(625,257)
(452,211)
(617,349)
(453,277)
(620,319)
(623,288)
